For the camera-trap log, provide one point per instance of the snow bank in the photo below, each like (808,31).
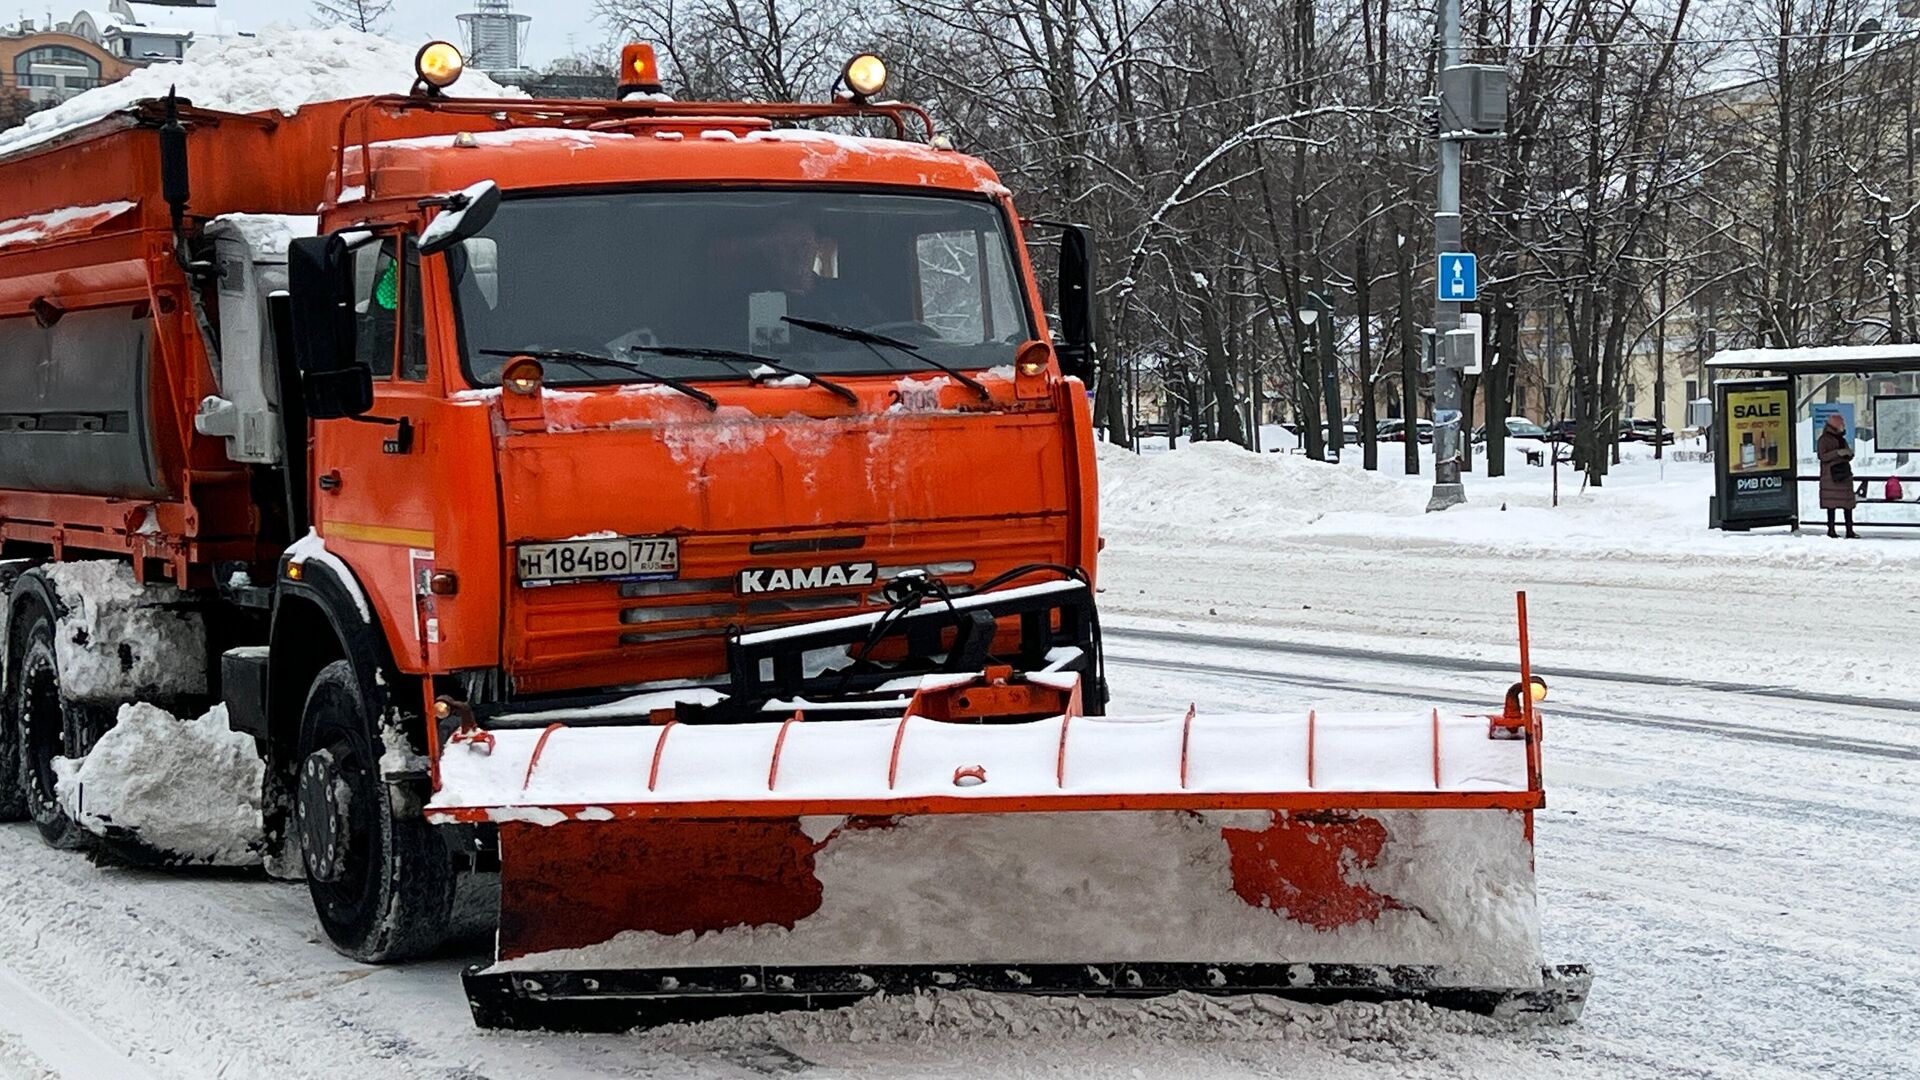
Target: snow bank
(1149,886)
(116,639)
(190,788)
(1220,491)
(1650,511)
(279,70)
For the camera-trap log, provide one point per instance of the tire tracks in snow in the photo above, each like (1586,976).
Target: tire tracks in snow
(57,1042)
(1438,662)
(1716,728)
(204,975)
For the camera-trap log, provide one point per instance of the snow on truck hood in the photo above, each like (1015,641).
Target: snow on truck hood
(279,71)
(597,156)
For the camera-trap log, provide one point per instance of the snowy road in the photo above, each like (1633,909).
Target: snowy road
(1741,877)
(1732,840)
(1745,891)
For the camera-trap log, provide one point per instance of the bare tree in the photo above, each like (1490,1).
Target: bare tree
(366,16)
(1672,166)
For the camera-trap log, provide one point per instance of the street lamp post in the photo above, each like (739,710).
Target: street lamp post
(1311,432)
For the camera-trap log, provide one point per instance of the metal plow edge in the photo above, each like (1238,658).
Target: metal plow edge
(623,999)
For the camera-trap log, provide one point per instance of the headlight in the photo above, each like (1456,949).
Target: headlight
(439,64)
(866,75)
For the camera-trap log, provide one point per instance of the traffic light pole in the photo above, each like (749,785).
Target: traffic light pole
(1447,488)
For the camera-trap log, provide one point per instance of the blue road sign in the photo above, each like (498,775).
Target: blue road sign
(1459,277)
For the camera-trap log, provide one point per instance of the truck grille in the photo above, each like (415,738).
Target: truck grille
(600,635)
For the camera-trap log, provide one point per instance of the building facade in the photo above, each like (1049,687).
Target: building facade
(45,64)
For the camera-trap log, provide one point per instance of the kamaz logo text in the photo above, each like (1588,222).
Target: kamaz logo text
(794,579)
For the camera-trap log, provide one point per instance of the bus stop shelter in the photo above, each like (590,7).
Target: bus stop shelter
(1769,406)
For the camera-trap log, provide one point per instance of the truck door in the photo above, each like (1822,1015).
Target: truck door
(371,499)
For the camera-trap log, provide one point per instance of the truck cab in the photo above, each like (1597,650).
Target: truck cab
(596,396)
(685,376)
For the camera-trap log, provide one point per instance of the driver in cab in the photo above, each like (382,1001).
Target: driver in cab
(796,251)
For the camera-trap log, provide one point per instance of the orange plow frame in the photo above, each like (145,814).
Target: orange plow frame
(639,903)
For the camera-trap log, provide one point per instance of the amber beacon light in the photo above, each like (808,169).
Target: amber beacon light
(639,70)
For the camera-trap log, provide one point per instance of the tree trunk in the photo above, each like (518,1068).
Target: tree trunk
(1363,306)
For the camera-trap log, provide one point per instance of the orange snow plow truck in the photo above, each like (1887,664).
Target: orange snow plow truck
(680,516)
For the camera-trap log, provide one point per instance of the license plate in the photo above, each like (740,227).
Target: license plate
(627,557)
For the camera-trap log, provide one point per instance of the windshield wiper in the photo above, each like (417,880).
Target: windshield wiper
(580,359)
(701,352)
(870,339)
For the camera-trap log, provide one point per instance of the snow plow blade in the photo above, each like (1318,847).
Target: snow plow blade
(619,1000)
(952,830)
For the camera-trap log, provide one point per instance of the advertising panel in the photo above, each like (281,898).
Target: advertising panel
(1819,411)
(1754,470)
(1896,423)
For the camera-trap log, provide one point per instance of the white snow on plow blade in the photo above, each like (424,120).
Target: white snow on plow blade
(1116,886)
(855,759)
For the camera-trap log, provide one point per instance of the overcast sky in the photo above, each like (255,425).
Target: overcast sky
(559,26)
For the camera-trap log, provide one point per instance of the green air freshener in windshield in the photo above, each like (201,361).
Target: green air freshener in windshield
(387,293)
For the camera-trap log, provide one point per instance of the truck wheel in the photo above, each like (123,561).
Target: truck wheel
(382,886)
(13,794)
(45,726)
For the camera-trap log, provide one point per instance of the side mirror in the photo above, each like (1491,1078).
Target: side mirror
(340,394)
(1077,346)
(320,288)
(466,213)
(320,284)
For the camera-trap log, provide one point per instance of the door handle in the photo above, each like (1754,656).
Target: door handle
(331,481)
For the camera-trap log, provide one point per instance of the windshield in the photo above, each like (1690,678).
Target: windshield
(640,276)
(1525,429)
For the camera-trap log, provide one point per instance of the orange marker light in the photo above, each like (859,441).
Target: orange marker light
(523,376)
(639,70)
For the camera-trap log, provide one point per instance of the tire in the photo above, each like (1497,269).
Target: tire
(44,725)
(382,886)
(13,795)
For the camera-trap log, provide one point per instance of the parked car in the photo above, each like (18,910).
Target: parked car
(1396,431)
(1639,429)
(1518,427)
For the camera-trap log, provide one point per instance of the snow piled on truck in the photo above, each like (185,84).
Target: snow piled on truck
(189,788)
(115,638)
(279,70)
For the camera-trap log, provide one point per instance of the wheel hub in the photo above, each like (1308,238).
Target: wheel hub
(325,824)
